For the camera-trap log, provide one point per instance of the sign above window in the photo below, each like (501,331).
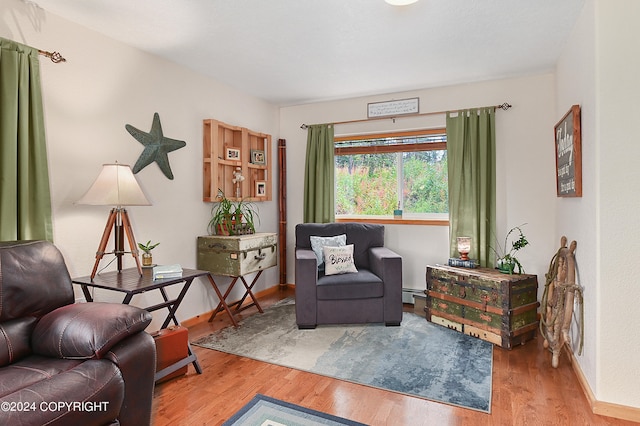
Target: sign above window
(393,108)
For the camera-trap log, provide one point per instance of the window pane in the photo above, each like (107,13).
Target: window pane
(425,187)
(366,184)
(377,173)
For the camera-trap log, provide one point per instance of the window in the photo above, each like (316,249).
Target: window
(377,174)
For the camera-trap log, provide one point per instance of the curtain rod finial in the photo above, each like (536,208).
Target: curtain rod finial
(55,57)
(304,126)
(505,106)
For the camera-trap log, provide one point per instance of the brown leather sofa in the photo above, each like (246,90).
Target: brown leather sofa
(373,294)
(63,363)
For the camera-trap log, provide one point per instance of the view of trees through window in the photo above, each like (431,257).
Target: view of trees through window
(375,176)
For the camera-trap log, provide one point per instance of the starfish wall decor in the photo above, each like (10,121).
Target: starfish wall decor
(156,147)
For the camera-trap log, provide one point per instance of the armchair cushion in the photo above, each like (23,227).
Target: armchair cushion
(319,243)
(15,336)
(362,285)
(363,236)
(42,384)
(86,330)
(339,260)
(25,266)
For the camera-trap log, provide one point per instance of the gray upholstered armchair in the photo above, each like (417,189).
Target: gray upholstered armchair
(373,294)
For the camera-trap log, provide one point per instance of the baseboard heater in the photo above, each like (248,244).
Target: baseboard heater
(408,293)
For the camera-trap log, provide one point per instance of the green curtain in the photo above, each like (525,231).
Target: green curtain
(472,181)
(25,201)
(319,175)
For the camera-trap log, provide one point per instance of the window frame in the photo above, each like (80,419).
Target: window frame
(354,150)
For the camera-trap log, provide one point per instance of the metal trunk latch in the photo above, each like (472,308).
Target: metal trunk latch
(260,255)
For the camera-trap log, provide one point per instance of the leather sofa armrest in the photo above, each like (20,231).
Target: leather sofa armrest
(306,267)
(135,356)
(387,264)
(86,330)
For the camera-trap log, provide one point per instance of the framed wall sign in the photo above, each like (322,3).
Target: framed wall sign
(393,108)
(569,154)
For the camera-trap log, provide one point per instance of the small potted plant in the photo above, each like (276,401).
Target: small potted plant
(506,262)
(232,218)
(147,257)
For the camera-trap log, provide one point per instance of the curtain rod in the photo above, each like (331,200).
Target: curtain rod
(55,57)
(504,106)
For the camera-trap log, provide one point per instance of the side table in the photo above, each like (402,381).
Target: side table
(130,282)
(237,256)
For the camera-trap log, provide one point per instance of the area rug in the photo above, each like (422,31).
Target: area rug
(417,358)
(266,411)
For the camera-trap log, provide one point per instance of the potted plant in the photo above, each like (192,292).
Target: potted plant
(232,218)
(506,262)
(147,257)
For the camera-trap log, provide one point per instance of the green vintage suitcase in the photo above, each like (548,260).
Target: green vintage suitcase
(484,303)
(237,255)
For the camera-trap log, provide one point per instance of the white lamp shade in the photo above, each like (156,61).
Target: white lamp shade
(400,2)
(115,186)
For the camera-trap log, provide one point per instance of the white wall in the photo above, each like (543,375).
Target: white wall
(87,101)
(525,174)
(577,217)
(617,92)
(598,70)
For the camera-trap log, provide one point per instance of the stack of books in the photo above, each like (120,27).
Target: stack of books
(469,263)
(164,272)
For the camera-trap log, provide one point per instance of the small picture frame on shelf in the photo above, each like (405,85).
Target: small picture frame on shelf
(261,188)
(232,154)
(257,157)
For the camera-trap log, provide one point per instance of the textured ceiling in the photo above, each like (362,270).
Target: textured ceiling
(299,51)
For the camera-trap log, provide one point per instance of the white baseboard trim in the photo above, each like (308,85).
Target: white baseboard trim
(608,409)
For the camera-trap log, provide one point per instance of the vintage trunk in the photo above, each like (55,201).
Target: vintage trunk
(484,303)
(237,255)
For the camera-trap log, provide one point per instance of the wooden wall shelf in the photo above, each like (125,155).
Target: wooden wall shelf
(253,148)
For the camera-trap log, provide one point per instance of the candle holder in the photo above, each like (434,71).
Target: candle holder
(464,247)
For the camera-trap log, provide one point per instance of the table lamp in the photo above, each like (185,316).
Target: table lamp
(116,186)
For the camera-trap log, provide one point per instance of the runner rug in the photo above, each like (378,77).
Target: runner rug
(417,358)
(266,411)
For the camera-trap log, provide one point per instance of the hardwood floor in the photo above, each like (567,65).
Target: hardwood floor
(526,391)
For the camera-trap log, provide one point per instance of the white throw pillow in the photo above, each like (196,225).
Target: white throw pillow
(317,243)
(339,260)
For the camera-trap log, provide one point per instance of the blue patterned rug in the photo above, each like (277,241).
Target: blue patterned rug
(265,411)
(418,358)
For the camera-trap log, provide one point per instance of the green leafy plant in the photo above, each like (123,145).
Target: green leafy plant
(148,246)
(505,260)
(232,218)
(366,184)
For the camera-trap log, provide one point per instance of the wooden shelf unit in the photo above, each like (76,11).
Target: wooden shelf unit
(218,171)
